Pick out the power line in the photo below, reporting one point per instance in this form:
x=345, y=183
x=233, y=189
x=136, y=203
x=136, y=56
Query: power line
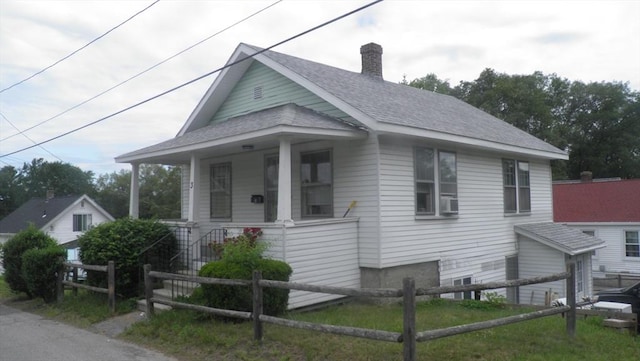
x=79, y=49
x=198, y=78
x=144, y=71
x=31, y=140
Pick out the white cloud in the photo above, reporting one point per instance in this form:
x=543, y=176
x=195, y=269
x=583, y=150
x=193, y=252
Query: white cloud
x=456, y=40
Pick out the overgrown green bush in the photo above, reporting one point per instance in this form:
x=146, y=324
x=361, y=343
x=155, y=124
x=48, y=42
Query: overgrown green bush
x=40, y=268
x=240, y=258
x=13, y=250
x=122, y=241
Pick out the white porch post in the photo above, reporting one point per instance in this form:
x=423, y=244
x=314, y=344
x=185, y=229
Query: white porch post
x=134, y=196
x=194, y=189
x=284, y=182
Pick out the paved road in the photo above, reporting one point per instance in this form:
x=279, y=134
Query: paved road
x=28, y=337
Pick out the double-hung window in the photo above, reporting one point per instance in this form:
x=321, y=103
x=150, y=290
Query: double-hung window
x=436, y=182
x=81, y=222
x=220, y=190
x=517, y=189
x=316, y=184
x=632, y=244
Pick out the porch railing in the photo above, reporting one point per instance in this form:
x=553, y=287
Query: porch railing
x=192, y=256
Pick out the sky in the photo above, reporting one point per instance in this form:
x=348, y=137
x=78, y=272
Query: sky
x=589, y=41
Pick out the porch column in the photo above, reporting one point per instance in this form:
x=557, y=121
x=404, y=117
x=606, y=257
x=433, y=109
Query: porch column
x=284, y=182
x=134, y=196
x=194, y=189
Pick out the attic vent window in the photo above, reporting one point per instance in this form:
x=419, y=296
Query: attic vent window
x=257, y=92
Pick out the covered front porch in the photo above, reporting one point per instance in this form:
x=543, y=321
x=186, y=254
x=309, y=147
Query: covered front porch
x=284, y=170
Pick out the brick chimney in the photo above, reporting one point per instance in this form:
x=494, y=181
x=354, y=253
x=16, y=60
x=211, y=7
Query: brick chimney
x=586, y=176
x=371, y=60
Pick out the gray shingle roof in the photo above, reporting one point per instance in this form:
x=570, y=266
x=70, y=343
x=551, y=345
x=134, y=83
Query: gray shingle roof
x=399, y=104
x=288, y=114
x=566, y=239
x=37, y=211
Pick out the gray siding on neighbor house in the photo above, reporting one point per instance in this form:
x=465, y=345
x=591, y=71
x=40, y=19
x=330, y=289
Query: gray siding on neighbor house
x=475, y=243
x=275, y=89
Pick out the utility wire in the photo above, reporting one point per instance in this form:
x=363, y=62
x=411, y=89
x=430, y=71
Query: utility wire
x=76, y=51
x=144, y=71
x=198, y=78
x=31, y=140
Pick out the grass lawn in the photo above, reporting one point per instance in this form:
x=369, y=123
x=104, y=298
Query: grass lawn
x=190, y=336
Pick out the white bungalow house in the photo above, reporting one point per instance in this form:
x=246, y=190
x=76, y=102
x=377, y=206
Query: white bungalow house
x=356, y=181
x=64, y=218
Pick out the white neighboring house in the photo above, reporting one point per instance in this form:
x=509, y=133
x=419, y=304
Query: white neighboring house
x=608, y=209
x=287, y=145
x=63, y=218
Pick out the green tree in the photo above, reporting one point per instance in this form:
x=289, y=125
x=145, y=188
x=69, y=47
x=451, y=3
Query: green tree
x=112, y=192
x=159, y=192
x=37, y=177
x=603, y=122
x=9, y=195
x=597, y=123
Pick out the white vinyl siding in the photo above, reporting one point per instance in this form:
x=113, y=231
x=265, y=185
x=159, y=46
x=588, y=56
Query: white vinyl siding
x=331, y=261
x=480, y=234
x=612, y=258
x=61, y=228
x=536, y=259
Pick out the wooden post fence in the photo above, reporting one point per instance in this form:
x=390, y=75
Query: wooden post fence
x=257, y=306
x=110, y=269
x=409, y=336
x=409, y=319
x=571, y=299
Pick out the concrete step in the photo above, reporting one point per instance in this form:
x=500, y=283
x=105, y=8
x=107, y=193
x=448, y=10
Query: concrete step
x=180, y=287
x=158, y=307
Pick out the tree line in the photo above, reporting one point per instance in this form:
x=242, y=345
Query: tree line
x=597, y=123
x=159, y=187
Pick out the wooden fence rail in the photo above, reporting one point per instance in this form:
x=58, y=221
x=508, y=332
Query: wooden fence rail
x=409, y=336
x=111, y=281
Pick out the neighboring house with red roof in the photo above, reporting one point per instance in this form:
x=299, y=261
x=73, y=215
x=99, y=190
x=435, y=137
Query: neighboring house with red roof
x=608, y=209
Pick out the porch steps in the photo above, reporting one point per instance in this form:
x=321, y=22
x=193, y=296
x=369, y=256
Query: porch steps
x=170, y=291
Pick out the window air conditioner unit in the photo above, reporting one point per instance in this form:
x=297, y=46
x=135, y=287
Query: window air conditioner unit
x=450, y=205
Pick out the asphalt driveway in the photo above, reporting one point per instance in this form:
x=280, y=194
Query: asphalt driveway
x=28, y=337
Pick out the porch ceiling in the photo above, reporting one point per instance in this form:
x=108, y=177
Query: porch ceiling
x=260, y=130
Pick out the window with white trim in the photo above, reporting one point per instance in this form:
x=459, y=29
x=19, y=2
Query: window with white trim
x=435, y=173
x=631, y=244
x=81, y=222
x=220, y=190
x=462, y=295
x=316, y=184
x=517, y=190
x=579, y=276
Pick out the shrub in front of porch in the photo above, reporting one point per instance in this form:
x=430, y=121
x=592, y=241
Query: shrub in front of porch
x=240, y=257
x=123, y=241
